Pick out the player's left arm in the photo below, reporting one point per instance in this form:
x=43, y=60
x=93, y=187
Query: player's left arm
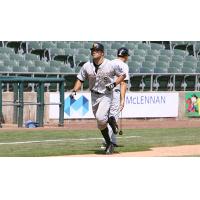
x=123, y=88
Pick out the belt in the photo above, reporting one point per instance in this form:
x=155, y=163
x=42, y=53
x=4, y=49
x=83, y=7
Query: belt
x=117, y=90
x=95, y=92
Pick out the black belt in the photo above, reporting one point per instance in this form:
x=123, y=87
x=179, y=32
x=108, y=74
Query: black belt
x=117, y=90
x=95, y=92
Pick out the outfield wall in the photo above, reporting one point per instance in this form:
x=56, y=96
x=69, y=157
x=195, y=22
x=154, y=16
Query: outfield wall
x=30, y=110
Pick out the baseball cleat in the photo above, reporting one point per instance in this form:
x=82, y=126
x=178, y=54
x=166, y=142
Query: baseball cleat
x=113, y=124
x=109, y=149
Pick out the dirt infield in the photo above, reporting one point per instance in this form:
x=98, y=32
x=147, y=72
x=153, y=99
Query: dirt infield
x=186, y=150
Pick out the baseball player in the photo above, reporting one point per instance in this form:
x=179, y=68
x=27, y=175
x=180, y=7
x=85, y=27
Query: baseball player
x=101, y=75
x=119, y=92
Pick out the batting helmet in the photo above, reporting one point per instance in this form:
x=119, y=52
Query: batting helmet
x=122, y=52
x=97, y=46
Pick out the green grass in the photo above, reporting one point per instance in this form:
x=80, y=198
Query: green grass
x=147, y=139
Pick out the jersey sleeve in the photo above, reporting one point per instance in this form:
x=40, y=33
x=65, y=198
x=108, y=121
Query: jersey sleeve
x=118, y=70
x=82, y=75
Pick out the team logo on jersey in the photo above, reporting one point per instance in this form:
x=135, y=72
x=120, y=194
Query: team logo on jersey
x=106, y=79
x=79, y=106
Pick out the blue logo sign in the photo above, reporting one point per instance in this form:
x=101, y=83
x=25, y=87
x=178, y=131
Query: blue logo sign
x=80, y=106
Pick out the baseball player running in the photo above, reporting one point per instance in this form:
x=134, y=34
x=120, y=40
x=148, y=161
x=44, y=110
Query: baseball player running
x=118, y=100
x=101, y=75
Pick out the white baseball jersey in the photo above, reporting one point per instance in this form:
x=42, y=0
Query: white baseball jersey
x=123, y=66
x=106, y=74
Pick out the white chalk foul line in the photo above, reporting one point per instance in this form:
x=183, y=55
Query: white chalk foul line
x=61, y=140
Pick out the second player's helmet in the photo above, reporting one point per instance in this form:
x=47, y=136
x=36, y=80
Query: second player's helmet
x=122, y=52
x=97, y=46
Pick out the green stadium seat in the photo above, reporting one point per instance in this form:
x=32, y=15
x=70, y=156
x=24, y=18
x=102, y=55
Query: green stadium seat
x=6, y=69
x=140, y=52
x=116, y=45
x=17, y=57
x=77, y=69
x=151, y=58
x=198, y=64
x=34, y=45
x=70, y=52
x=146, y=70
x=178, y=58
x=134, y=69
x=39, y=63
x=36, y=69
x=148, y=64
x=27, y=63
x=188, y=70
x=189, y=64
x=4, y=56
x=176, y=64
x=111, y=52
x=174, y=70
x=20, y=69
x=137, y=58
x=180, y=52
x=160, y=70
x=6, y=50
x=30, y=56
x=198, y=70
x=155, y=46
x=52, y=69
x=66, y=70
x=153, y=52
x=55, y=52
x=161, y=64
x=80, y=59
x=48, y=45
x=11, y=63
x=166, y=52
x=55, y=63
x=76, y=45
x=134, y=64
x=86, y=52
x=110, y=57
x=87, y=45
x=62, y=45
x=144, y=46
x=164, y=58
x=1, y=63
x=131, y=46
x=190, y=58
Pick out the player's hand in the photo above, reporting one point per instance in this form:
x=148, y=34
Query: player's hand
x=110, y=86
x=72, y=95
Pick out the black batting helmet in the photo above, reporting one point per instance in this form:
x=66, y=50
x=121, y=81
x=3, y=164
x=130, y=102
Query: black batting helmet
x=97, y=46
x=122, y=52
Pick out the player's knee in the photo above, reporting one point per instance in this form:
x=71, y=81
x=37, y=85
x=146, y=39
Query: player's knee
x=101, y=121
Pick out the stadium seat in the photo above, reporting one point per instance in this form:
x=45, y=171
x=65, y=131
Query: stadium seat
x=5, y=69
x=80, y=59
x=110, y=57
x=76, y=45
x=39, y=63
x=198, y=64
x=36, y=69
x=17, y=57
x=137, y=58
x=155, y=46
x=87, y=45
x=177, y=58
x=69, y=52
x=144, y=46
x=77, y=69
x=140, y=52
x=11, y=63
x=112, y=52
x=134, y=69
x=190, y=64
x=20, y=69
x=161, y=64
x=176, y=64
x=6, y=50
x=62, y=45
x=198, y=70
x=166, y=52
x=160, y=70
x=153, y=52
x=134, y=64
x=151, y=58
x=86, y=52
x=55, y=51
x=4, y=57
x=66, y=70
x=27, y=63
x=131, y=46
x=148, y=64
x=116, y=45
x=48, y=45
x=1, y=63
x=180, y=52
x=34, y=45
x=190, y=58
x=52, y=69
x=188, y=70
x=174, y=70
x=30, y=56
x=164, y=58
x=146, y=70
x=55, y=63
